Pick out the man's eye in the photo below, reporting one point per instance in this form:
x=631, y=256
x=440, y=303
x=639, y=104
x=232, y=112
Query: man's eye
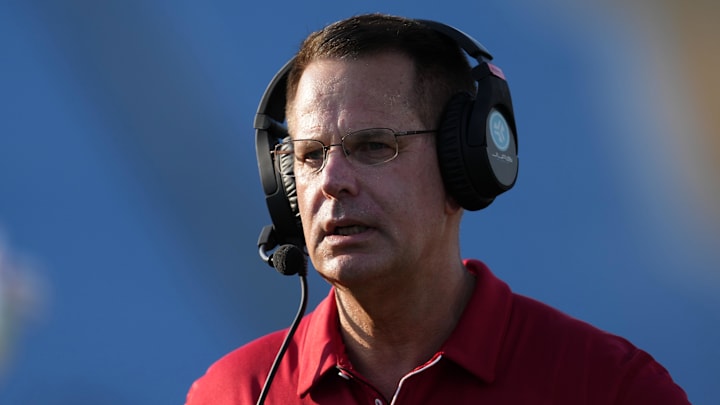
x=373, y=146
x=309, y=154
x=372, y=151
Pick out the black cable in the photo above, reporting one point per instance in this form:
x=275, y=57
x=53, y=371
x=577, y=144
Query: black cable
x=286, y=342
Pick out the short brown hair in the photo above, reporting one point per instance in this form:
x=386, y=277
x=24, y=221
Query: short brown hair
x=440, y=65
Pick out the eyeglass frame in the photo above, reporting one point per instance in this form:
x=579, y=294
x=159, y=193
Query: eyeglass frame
x=277, y=151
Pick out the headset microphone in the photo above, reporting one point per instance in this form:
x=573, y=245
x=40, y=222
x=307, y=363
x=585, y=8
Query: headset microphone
x=288, y=260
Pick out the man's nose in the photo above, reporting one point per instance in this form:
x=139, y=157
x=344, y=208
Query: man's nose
x=338, y=175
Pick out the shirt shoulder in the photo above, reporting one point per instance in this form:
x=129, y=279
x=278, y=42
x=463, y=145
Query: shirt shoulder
x=587, y=359
x=237, y=377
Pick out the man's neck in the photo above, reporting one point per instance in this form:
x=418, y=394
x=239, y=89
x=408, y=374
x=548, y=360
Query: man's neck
x=387, y=336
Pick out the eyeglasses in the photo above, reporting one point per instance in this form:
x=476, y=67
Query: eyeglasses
x=367, y=147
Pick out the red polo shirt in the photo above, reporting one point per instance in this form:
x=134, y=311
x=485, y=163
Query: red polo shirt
x=506, y=349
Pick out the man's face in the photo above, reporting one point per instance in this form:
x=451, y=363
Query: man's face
x=368, y=223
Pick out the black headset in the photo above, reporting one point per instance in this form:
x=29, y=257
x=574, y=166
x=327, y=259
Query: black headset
x=476, y=144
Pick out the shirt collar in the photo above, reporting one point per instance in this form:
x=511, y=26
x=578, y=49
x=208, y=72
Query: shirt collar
x=478, y=337
x=321, y=346
x=474, y=344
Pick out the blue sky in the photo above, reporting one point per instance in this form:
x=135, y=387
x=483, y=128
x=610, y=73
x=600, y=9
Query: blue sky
x=130, y=200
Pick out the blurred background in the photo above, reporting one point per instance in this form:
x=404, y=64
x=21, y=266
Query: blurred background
x=130, y=203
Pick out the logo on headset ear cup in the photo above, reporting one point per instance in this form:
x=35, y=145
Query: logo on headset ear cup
x=454, y=169
x=287, y=175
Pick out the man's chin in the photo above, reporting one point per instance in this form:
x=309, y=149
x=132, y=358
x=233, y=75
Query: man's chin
x=351, y=269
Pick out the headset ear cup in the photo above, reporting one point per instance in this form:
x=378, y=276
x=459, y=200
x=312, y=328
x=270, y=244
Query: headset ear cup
x=287, y=175
x=450, y=144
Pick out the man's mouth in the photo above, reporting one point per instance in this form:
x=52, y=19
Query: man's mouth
x=349, y=230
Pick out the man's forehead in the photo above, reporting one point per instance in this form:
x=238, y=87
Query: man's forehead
x=352, y=91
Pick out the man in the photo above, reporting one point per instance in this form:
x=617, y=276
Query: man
x=407, y=321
